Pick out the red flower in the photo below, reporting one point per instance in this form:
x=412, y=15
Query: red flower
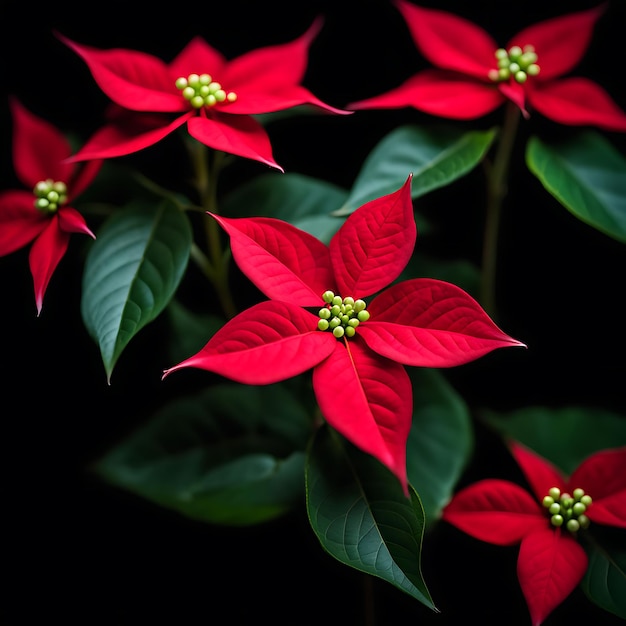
x=357, y=351
x=474, y=76
x=551, y=561
x=43, y=214
x=216, y=98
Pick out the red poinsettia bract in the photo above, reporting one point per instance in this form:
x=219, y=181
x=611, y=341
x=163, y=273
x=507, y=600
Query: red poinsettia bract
x=317, y=319
x=42, y=215
x=546, y=522
x=214, y=96
x=473, y=76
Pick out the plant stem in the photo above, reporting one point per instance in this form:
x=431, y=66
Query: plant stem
x=497, y=188
x=206, y=176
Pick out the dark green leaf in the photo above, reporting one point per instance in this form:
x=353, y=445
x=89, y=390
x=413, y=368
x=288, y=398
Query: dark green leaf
x=587, y=175
x=437, y=155
x=441, y=440
x=565, y=436
x=300, y=200
x=231, y=455
x=361, y=516
x=604, y=582
x=132, y=270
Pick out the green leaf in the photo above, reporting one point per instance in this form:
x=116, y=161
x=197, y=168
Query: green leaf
x=437, y=155
x=604, y=582
x=587, y=175
x=220, y=457
x=132, y=270
x=564, y=435
x=441, y=440
x=302, y=201
x=361, y=516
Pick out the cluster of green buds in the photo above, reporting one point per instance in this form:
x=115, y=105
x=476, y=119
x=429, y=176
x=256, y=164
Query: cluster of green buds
x=201, y=90
x=341, y=316
x=568, y=509
x=49, y=195
x=515, y=63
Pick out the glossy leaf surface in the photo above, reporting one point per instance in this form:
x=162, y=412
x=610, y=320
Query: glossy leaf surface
x=132, y=270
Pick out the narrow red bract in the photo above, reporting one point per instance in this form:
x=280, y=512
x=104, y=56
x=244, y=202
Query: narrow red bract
x=360, y=382
x=551, y=562
x=461, y=85
x=39, y=153
x=149, y=105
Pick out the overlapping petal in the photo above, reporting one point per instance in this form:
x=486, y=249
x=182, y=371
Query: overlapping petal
x=20, y=223
x=539, y=472
x=550, y=565
x=369, y=400
x=267, y=343
x=431, y=323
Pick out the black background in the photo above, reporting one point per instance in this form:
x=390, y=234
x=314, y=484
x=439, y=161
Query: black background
x=77, y=551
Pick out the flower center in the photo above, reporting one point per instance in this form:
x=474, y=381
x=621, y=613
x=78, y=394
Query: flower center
x=201, y=90
x=341, y=316
x=567, y=509
x=515, y=63
x=49, y=195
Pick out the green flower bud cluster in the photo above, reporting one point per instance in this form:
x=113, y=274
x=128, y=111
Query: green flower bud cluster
x=515, y=63
x=201, y=90
x=49, y=195
x=341, y=316
x=566, y=509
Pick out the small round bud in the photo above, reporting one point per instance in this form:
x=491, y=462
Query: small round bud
x=586, y=500
x=555, y=508
x=359, y=305
x=328, y=296
x=350, y=331
x=557, y=520
x=514, y=68
x=555, y=493
x=548, y=501
x=515, y=52
x=349, y=301
x=324, y=313
x=584, y=521
x=520, y=77
x=532, y=69
x=501, y=53
x=572, y=525
x=335, y=309
x=578, y=493
x=338, y=331
x=323, y=324
x=337, y=300
x=181, y=83
x=354, y=322
x=363, y=316
x=334, y=322
x=579, y=508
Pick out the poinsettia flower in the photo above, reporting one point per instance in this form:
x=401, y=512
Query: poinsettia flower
x=473, y=76
x=546, y=521
x=317, y=318
x=42, y=215
x=216, y=98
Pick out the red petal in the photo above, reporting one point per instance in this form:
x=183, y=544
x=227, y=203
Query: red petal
x=603, y=476
x=236, y=134
x=439, y=93
x=38, y=148
x=82, y=178
x=284, y=262
x=578, y=102
x=116, y=140
x=45, y=253
x=135, y=80
x=20, y=221
x=374, y=244
x=549, y=567
x=496, y=511
x=449, y=41
x=539, y=472
x=267, y=343
x=198, y=57
x=71, y=221
x=559, y=42
x=369, y=400
x=430, y=323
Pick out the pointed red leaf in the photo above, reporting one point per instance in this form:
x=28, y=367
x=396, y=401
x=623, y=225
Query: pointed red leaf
x=284, y=262
x=449, y=41
x=197, y=57
x=439, y=93
x=267, y=343
x=430, y=323
x=38, y=148
x=549, y=567
x=496, y=511
x=539, y=472
x=20, y=222
x=560, y=42
x=374, y=244
x=603, y=476
x=135, y=80
x=577, y=101
x=369, y=400
x=44, y=256
x=71, y=221
x=236, y=134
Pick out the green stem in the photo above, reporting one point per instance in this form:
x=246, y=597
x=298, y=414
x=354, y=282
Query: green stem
x=206, y=177
x=497, y=176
